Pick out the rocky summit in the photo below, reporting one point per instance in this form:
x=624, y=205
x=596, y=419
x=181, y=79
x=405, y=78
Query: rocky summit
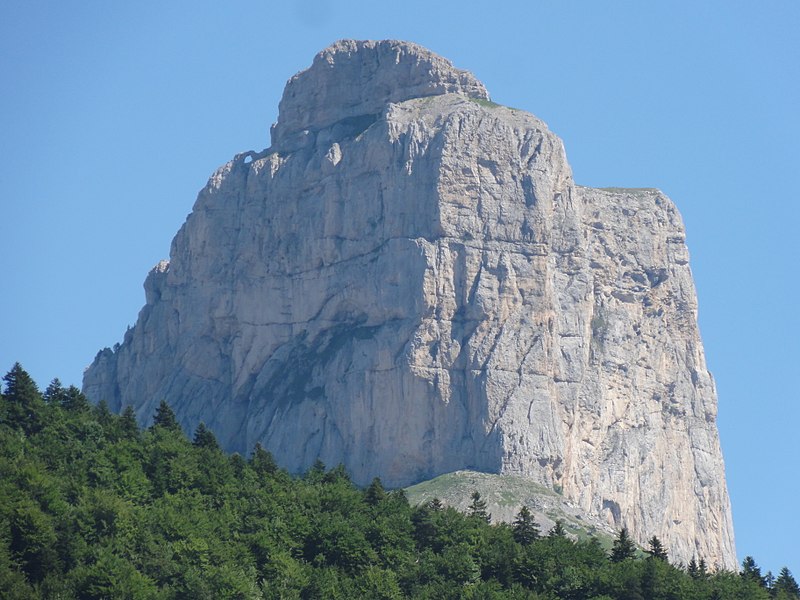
x=408, y=281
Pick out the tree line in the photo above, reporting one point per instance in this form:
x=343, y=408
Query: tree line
x=92, y=506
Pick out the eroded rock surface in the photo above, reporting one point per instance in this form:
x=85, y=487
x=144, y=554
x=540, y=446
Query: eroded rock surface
x=408, y=281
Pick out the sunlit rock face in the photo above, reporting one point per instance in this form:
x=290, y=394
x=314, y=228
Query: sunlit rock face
x=409, y=282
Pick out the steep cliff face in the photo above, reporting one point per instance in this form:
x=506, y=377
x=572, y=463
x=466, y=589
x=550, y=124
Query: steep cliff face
x=408, y=281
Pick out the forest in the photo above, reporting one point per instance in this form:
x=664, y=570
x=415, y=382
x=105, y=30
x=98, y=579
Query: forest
x=93, y=506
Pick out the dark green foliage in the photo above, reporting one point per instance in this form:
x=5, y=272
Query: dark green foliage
x=262, y=461
x=70, y=399
x=102, y=413
x=165, y=417
x=22, y=404
x=435, y=504
x=623, y=547
x=751, y=572
x=478, y=507
x=375, y=494
x=557, y=530
x=316, y=472
x=702, y=570
x=692, y=569
x=526, y=531
x=656, y=549
x=128, y=427
x=93, y=507
x=54, y=393
x=204, y=438
x=786, y=586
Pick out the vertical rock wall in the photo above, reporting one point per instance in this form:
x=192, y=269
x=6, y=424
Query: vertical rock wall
x=409, y=282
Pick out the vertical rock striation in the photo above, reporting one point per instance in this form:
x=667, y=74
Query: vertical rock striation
x=408, y=281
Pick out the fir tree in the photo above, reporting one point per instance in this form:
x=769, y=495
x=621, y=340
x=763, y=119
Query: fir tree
x=128, y=426
x=54, y=392
x=702, y=569
x=238, y=464
x=769, y=580
x=102, y=413
x=525, y=529
x=435, y=505
x=23, y=403
x=73, y=400
x=558, y=530
x=656, y=549
x=338, y=473
x=375, y=493
x=204, y=438
x=692, y=569
x=165, y=417
x=316, y=472
x=478, y=507
x=787, y=584
x=623, y=547
x=262, y=461
x=751, y=571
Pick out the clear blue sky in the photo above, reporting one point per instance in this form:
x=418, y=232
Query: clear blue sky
x=114, y=114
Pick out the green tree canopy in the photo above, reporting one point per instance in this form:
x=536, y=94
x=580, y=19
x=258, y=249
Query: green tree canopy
x=786, y=584
x=752, y=572
x=23, y=405
x=656, y=549
x=525, y=529
x=92, y=507
x=204, y=438
x=477, y=507
x=375, y=494
x=623, y=547
x=557, y=531
x=262, y=461
x=165, y=417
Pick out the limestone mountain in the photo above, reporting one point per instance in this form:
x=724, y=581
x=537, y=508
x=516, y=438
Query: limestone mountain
x=408, y=281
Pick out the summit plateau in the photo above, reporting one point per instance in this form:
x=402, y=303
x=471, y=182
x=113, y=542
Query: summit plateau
x=409, y=282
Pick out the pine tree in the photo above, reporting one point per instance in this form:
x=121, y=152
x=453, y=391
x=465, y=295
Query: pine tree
x=23, y=404
x=74, y=400
x=54, y=392
x=435, y=505
x=102, y=413
x=525, y=529
x=316, y=472
x=238, y=464
x=787, y=584
x=692, y=569
x=557, y=530
x=623, y=547
x=204, y=438
x=702, y=569
x=375, y=493
x=656, y=549
x=399, y=497
x=338, y=473
x=165, y=418
x=478, y=507
x=769, y=580
x=262, y=461
x=751, y=571
x=128, y=425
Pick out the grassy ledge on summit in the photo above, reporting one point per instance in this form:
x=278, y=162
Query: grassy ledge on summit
x=505, y=495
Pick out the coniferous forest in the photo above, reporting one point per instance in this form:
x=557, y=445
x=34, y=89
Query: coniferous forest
x=91, y=506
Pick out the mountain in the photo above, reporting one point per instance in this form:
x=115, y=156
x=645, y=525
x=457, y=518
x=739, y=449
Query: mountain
x=409, y=281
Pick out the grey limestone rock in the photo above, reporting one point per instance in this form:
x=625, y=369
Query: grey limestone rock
x=408, y=281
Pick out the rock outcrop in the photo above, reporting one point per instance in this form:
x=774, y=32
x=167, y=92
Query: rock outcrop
x=408, y=281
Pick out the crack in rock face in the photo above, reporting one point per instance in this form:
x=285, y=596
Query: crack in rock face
x=408, y=281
